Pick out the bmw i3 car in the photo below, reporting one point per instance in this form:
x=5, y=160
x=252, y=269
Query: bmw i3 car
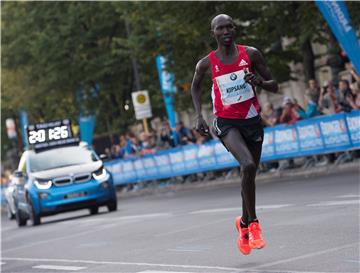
x=60, y=179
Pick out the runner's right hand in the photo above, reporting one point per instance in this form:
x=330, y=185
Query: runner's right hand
x=201, y=127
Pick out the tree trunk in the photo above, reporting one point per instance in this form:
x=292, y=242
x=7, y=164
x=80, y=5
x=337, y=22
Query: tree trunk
x=308, y=60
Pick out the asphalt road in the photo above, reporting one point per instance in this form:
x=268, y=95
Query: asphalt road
x=310, y=225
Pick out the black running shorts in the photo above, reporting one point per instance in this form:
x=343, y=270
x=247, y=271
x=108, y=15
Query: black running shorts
x=252, y=129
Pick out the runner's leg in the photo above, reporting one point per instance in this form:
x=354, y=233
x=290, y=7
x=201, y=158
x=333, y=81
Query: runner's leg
x=236, y=144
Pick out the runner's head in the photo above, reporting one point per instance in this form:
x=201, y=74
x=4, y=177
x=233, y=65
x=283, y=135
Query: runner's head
x=223, y=29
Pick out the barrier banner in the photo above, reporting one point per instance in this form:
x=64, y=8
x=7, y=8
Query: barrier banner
x=177, y=161
x=310, y=139
x=163, y=164
x=286, y=141
x=206, y=158
x=190, y=157
x=224, y=159
x=334, y=132
x=268, y=148
x=319, y=135
x=151, y=171
x=353, y=124
x=129, y=172
x=115, y=168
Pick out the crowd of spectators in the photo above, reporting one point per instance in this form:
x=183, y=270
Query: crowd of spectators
x=321, y=99
x=130, y=145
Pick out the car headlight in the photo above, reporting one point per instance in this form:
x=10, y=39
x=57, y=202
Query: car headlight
x=43, y=184
x=101, y=175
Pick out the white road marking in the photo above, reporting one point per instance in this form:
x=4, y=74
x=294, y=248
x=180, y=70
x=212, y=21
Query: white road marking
x=200, y=267
x=309, y=255
x=278, y=206
x=2, y=263
x=58, y=267
x=151, y=271
x=335, y=203
x=349, y=196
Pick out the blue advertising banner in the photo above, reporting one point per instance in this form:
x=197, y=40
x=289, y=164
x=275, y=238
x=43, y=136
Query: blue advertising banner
x=353, y=124
x=139, y=169
x=286, y=140
x=337, y=16
x=163, y=164
x=168, y=90
x=177, y=161
x=23, y=124
x=87, y=127
x=151, y=172
x=310, y=139
x=190, y=157
x=224, y=159
x=319, y=135
x=128, y=172
x=334, y=132
x=268, y=149
x=206, y=156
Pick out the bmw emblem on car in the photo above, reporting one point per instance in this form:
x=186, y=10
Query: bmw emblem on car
x=233, y=77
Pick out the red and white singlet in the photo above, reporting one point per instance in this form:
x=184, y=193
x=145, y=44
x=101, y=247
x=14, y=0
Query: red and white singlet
x=232, y=97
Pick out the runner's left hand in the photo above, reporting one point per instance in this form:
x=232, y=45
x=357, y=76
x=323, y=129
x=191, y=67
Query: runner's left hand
x=251, y=78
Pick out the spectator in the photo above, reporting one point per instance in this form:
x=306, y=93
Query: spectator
x=108, y=154
x=346, y=97
x=166, y=136
x=311, y=108
x=313, y=92
x=184, y=134
x=269, y=115
x=357, y=98
x=147, y=146
x=289, y=113
x=353, y=72
x=328, y=101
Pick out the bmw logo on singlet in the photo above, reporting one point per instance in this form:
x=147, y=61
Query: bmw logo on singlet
x=233, y=77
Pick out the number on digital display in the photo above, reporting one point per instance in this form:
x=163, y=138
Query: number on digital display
x=64, y=132
x=32, y=137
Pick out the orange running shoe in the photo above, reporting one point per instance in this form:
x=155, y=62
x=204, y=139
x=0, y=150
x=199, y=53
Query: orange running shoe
x=243, y=239
x=255, y=237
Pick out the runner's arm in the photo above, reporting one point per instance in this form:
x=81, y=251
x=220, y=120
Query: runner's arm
x=201, y=67
x=200, y=70
x=260, y=66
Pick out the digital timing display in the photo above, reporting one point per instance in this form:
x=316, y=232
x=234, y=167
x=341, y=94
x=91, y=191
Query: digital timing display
x=50, y=134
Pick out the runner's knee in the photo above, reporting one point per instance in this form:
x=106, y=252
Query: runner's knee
x=249, y=168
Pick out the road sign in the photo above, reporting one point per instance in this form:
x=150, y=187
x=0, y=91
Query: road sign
x=141, y=102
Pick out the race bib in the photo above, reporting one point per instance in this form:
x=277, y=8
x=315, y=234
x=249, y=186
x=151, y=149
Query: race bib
x=233, y=88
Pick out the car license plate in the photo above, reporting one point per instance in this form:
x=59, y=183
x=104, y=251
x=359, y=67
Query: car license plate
x=75, y=194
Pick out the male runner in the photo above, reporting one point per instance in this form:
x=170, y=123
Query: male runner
x=237, y=110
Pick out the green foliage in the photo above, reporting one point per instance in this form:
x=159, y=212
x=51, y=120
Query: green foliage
x=51, y=50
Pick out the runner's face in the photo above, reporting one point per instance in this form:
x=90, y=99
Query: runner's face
x=224, y=31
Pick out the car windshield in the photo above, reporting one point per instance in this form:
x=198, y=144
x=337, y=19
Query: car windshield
x=61, y=157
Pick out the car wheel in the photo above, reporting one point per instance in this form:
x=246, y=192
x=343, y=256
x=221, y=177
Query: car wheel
x=94, y=210
x=34, y=218
x=112, y=205
x=21, y=218
x=9, y=213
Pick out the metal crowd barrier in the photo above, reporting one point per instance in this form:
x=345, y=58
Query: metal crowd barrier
x=318, y=135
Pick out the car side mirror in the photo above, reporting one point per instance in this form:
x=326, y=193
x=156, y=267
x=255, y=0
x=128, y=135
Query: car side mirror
x=18, y=174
